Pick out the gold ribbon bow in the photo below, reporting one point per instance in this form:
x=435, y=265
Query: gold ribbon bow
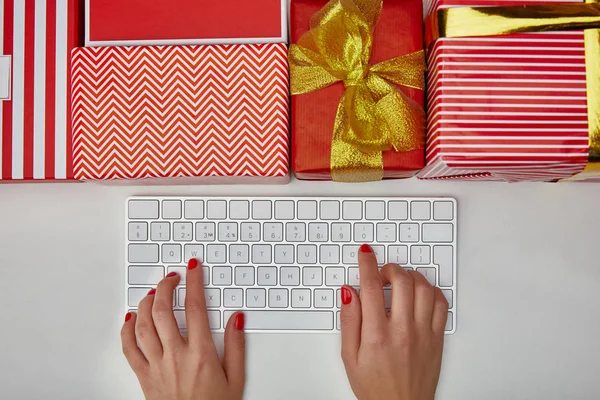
x=373, y=115
x=489, y=21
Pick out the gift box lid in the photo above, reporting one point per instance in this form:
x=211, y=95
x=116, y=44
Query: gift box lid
x=180, y=22
x=180, y=111
x=35, y=130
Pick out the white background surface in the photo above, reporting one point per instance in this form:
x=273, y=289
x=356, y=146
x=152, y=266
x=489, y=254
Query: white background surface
x=528, y=278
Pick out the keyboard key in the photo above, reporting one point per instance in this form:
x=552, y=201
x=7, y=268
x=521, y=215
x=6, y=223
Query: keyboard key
x=398, y=254
x=143, y=253
x=329, y=254
x=267, y=276
x=353, y=276
x=352, y=210
x=449, y=296
x=284, y=209
x=318, y=232
x=160, y=231
x=239, y=254
x=375, y=210
x=278, y=298
x=171, y=253
x=181, y=271
x=171, y=209
x=330, y=210
x=398, y=210
x=387, y=298
x=228, y=232
x=216, y=253
x=244, y=276
x=307, y=254
x=287, y=320
x=221, y=276
x=428, y=273
x=145, y=275
x=233, y=298
x=419, y=255
x=420, y=210
x=261, y=254
x=138, y=231
x=214, y=319
x=339, y=321
x=205, y=231
x=379, y=252
x=250, y=232
x=135, y=295
x=142, y=209
x=182, y=231
x=363, y=232
x=443, y=258
x=307, y=210
x=212, y=297
x=443, y=210
x=349, y=254
x=217, y=209
x=181, y=297
x=193, y=251
x=194, y=209
x=340, y=232
x=261, y=209
x=438, y=233
x=449, y=322
x=289, y=276
x=273, y=232
x=409, y=233
x=312, y=276
x=284, y=254
x=256, y=298
x=295, y=231
x=239, y=209
x=324, y=298
x=386, y=232
x=300, y=298
x=334, y=276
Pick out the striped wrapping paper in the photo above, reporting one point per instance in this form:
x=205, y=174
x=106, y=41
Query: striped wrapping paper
x=217, y=112
x=36, y=38
x=510, y=108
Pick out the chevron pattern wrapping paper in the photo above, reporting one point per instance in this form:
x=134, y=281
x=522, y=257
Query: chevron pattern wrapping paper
x=180, y=111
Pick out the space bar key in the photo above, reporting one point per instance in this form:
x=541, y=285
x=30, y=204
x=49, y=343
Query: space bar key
x=286, y=320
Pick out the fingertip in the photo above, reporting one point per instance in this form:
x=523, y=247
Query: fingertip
x=128, y=316
x=240, y=321
x=192, y=263
x=346, y=295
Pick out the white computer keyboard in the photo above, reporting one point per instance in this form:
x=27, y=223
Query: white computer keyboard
x=283, y=260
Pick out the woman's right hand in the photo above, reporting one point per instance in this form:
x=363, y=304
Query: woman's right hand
x=395, y=355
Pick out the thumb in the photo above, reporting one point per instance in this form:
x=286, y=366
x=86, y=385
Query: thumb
x=234, y=358
x=351, y=323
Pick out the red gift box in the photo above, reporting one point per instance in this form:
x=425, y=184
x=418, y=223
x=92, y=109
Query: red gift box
x=398, y=32
x=181, y=111
x=179, y=22
x=36, y=39
x=510, y=107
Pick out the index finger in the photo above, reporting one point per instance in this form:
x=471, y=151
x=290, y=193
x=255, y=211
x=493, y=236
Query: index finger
x=371, y=288
x=195, y=305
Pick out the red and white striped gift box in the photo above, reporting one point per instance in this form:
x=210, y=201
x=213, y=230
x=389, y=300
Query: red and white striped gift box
x=511, y=107
x=36, y=39
x=181, y=111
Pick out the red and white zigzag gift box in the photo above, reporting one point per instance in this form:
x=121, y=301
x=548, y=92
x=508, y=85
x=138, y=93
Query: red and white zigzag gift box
x=510, y=107
x=181, y=111
x=36, y=38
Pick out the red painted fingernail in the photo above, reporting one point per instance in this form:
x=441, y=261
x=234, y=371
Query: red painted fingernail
x=151, y=292
x=193, y=263
x=171, y=274
x=365, y=248
x=346, y=295
x=128, y=316
x=239, y=321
